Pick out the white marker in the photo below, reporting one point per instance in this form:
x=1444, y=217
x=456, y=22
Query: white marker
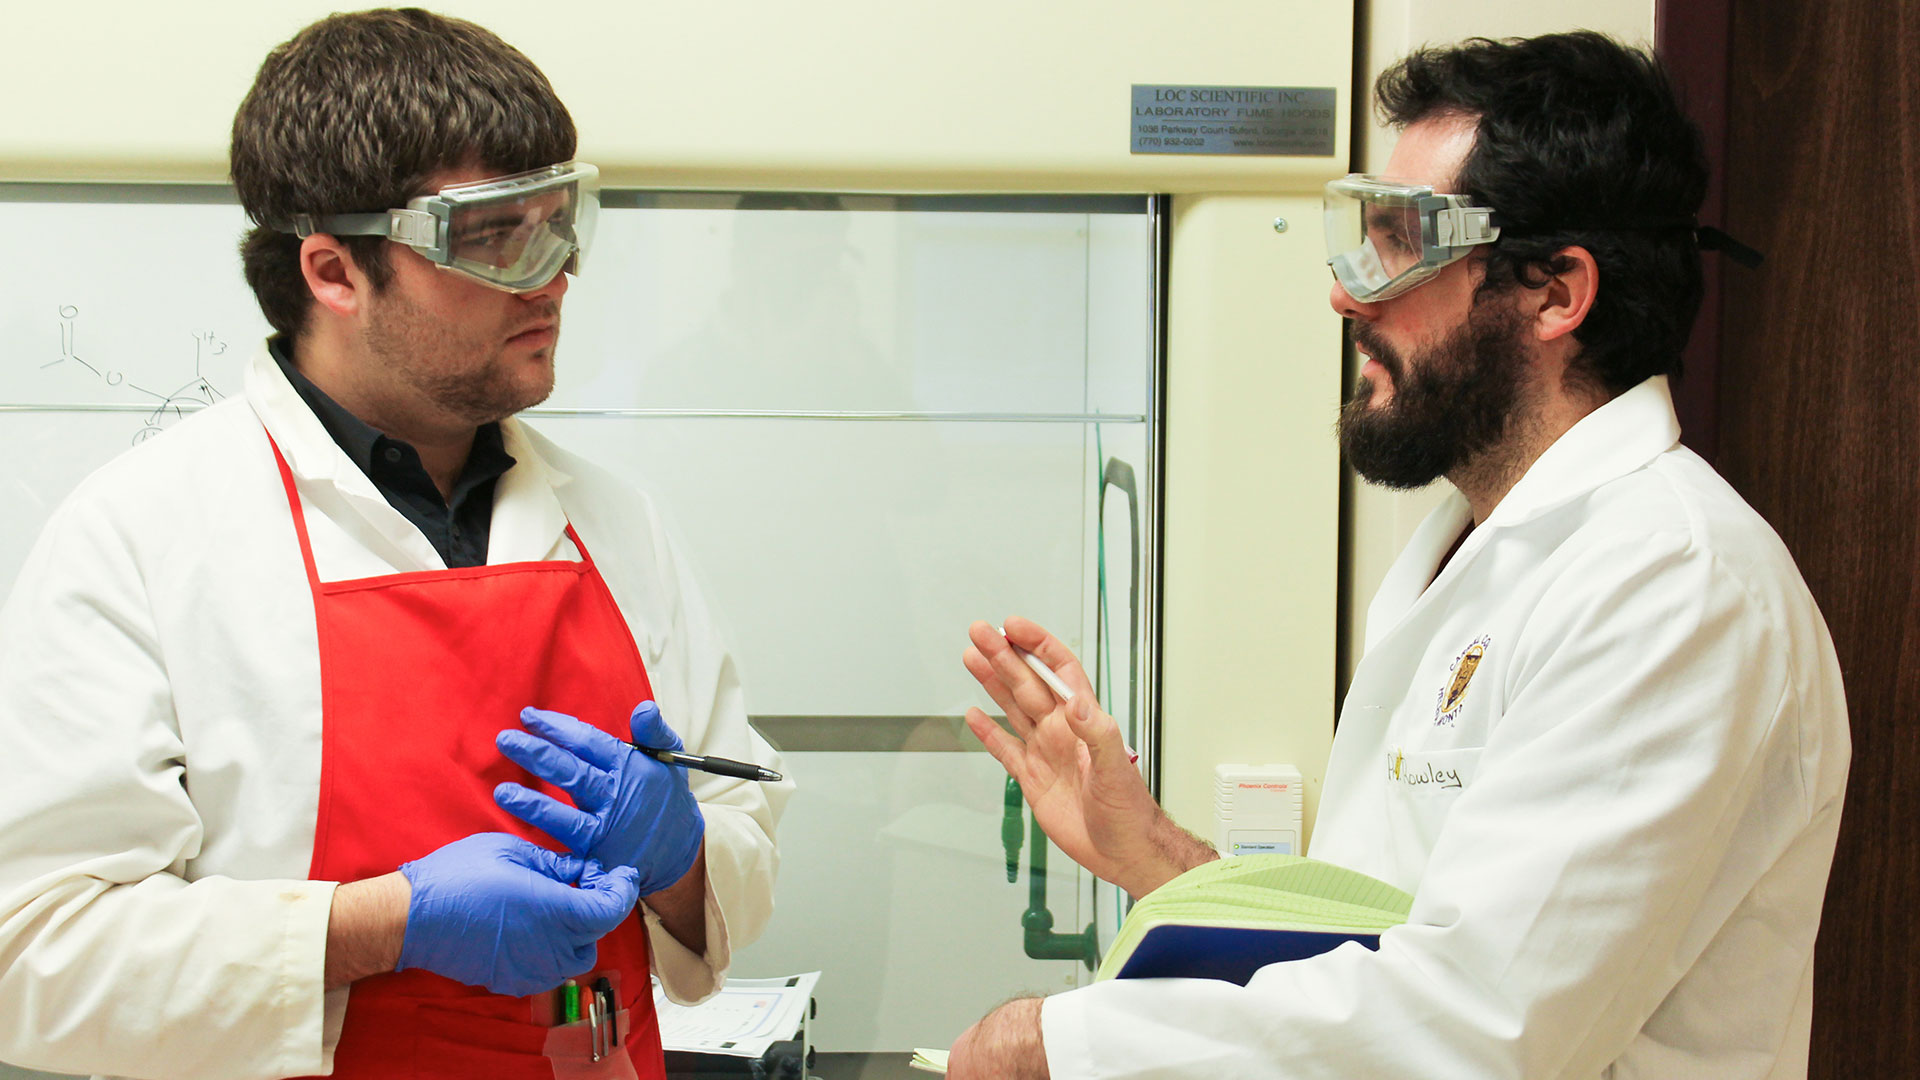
x=1040, y=668
x=1054, y=682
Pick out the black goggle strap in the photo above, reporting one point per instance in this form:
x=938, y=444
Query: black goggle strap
x=1712, y=239
x=1706, y=236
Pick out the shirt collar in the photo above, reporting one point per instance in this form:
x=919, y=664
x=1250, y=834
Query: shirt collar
x=528, y=519
x=310, y=449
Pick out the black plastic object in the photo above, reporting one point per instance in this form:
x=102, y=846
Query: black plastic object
x=782, y=1061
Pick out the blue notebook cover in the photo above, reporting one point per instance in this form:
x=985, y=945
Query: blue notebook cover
x=1229, y=953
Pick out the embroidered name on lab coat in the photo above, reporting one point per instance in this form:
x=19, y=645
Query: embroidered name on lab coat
x=1418, y=774
x=1453, y=695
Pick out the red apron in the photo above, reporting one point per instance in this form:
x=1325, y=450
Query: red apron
x=418, y=673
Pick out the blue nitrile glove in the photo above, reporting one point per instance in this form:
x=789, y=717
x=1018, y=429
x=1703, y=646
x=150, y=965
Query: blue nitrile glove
x=493, y=910
x=632, y=810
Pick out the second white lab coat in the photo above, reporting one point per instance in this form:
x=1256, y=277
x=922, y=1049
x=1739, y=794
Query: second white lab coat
x=160, y=705
x=1605, y=750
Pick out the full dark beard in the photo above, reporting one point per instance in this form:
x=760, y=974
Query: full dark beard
x=1454, y=401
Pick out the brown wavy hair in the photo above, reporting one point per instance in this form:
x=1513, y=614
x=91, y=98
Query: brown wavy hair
x=356, y=112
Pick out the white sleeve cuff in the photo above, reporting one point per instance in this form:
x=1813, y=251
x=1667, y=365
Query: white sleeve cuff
x=689, y=977
x=1063, y=1034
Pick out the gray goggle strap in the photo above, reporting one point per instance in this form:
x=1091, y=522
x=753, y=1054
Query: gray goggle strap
x=422, y=230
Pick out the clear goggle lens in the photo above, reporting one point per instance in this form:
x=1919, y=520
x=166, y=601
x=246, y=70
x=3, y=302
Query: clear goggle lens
x=517, y=232
x=1385, y=236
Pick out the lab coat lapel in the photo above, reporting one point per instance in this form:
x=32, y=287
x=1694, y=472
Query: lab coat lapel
x=326, y=475
x=1608, y=443
x=1407, y=580
x=528, y=521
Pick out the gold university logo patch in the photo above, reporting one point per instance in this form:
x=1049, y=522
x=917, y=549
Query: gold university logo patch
x=1453, y=695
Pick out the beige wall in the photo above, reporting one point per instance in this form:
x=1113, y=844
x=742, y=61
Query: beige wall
x=992, y=95
x=1252, y=497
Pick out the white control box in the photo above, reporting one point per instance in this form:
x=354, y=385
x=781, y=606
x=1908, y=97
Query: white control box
x=1256, y=809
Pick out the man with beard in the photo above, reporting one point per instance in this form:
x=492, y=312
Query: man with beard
x=1598, y=731
x=320, y=710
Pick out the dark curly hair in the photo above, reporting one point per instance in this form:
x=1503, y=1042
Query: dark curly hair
x=1580, y=141
x=356, y=112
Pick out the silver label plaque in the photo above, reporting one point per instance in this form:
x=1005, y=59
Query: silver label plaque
x=1276, y=120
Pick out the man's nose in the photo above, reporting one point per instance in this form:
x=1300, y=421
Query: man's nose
x=553, y=290
x=1346, y=305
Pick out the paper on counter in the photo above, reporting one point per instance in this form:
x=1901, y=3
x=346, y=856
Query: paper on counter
x=933, y=1061
x=745, y=1018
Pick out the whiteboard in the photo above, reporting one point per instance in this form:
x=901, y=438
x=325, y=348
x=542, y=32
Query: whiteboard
x=845, y=556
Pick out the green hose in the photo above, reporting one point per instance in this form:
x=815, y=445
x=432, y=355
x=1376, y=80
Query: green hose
x=1040, y=940
x=1011, y=828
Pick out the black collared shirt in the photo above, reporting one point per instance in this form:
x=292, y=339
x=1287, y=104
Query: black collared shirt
x=458, y=531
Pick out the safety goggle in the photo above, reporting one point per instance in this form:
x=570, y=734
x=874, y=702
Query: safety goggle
x=510, y=232
x=1386, y=236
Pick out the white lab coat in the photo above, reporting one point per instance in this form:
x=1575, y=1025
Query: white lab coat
x=1617, y=829
x=160, y=705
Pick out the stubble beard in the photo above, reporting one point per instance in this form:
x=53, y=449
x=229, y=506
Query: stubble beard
x=437, y=363
x=1453, y=404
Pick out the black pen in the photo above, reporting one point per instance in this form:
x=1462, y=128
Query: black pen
x=719, y=766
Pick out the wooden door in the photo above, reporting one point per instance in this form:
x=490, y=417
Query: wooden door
x=1816, y=402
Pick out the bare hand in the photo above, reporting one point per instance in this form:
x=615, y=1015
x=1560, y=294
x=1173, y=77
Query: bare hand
x=1070, y=761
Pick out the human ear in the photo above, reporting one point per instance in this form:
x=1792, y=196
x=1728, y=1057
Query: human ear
x=336, y=281
x=1566, y=298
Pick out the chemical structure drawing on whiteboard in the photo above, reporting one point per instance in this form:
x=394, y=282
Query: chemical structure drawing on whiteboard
x=194, y=394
